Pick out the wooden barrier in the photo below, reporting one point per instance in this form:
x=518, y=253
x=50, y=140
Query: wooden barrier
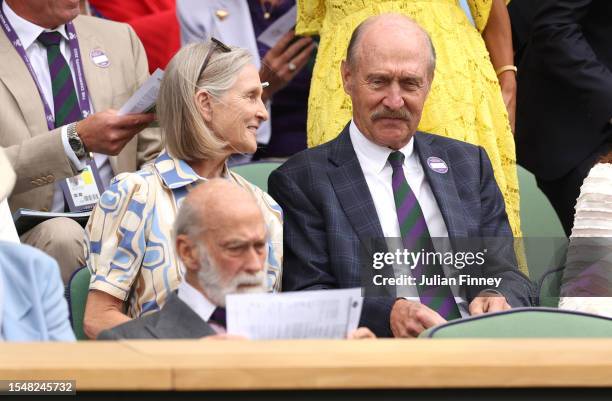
x=205, y=365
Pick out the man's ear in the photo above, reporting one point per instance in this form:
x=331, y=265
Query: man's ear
x=203, y=101
x=430, y=81
x=347, y=77
x=188, y=253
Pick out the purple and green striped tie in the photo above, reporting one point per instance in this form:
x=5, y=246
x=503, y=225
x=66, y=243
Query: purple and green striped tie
x=415, y=237
x=65, y=103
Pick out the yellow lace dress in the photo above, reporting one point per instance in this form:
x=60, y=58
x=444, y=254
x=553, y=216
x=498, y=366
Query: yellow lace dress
x=465, y=101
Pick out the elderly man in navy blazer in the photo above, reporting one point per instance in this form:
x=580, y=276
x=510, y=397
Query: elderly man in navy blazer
x=381, y=178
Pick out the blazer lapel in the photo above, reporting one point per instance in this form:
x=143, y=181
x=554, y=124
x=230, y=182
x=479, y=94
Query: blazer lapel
x=353, y=192
x=97, y=78
x=17, y=79
x=442, y=185
x=177, y=320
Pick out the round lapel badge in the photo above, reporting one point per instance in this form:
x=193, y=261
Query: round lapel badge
x=438, y=165
x=99, y=58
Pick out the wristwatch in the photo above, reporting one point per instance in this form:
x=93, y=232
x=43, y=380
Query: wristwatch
x=74, y=140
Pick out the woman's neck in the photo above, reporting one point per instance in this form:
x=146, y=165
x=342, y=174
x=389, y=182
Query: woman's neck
x=211, y=168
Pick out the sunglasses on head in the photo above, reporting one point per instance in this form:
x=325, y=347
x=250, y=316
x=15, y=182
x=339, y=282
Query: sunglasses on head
x=217, y=44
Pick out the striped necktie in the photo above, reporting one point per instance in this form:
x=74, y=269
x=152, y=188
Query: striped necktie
x=65, y=102
x=415, y=237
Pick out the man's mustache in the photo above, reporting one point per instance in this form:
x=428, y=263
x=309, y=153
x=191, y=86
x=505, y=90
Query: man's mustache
x=400, y=114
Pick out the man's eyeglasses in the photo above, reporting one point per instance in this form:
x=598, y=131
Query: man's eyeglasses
x=217, y=44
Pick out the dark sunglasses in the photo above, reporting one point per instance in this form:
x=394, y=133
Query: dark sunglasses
x=217, y=44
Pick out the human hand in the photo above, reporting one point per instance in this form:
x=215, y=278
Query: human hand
x=360, y=334
x=107, y=133
x=409, y=318
x=488, y=302
x=283, y=61
x=507, y=81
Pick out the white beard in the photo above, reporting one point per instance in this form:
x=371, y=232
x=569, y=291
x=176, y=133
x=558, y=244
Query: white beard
x=213, y=285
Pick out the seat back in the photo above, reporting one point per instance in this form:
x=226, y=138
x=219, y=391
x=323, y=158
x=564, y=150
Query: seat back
x=78, y=288
x=538, y=217
x=549, y=287
x=544, y=239
x=525, y=323
x=256, y=173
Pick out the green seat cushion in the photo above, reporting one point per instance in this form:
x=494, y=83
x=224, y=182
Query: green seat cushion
x=525, y=323
x=78, y=290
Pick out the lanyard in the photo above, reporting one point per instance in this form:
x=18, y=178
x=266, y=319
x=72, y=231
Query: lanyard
x=75, y=59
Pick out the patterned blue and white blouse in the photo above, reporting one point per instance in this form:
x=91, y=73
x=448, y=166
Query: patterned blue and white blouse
x=129, y=247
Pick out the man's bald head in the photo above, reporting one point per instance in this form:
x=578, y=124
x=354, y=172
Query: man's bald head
x=213, y=205
x=386, y=27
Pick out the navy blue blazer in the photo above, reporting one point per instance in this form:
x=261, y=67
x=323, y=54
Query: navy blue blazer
x=330, y=218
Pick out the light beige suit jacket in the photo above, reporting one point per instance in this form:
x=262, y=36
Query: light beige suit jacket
x=37, y=154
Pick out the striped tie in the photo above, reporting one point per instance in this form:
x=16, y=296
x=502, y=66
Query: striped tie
x=65, y=101
x=415, y=237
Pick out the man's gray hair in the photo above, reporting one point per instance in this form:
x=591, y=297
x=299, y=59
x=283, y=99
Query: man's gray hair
x=186, y=135
x=190, y=221
x=353, y=46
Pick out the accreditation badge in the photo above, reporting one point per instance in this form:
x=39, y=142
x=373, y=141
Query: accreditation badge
x=82, y=191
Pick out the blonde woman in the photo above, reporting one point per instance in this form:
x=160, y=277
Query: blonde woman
x=209, y=108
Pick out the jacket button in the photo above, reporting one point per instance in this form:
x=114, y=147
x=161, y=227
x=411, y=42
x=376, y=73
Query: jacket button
x=50, y=178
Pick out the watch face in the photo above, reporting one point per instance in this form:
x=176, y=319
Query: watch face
x=75, y=144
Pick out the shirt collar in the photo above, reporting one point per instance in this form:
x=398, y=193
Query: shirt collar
x=25, y=30
x=176, y=173
x=196, y=301
x=373, y=157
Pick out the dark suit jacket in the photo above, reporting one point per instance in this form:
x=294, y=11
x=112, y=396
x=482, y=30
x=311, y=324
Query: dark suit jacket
x=521, y=16
x=174, y=320
x=330, y=217
x=564, y=100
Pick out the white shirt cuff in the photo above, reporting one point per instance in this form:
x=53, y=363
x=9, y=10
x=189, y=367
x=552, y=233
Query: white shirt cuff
x=74, y=160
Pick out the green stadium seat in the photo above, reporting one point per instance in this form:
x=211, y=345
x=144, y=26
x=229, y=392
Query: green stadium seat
x=544, y=239
x=256, y=173
x=538, y=217
x=525, y=323
x=76, y=295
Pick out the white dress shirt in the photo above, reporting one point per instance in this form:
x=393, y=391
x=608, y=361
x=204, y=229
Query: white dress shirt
x=199, y=304
x=374, y=163
x=37, y=53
